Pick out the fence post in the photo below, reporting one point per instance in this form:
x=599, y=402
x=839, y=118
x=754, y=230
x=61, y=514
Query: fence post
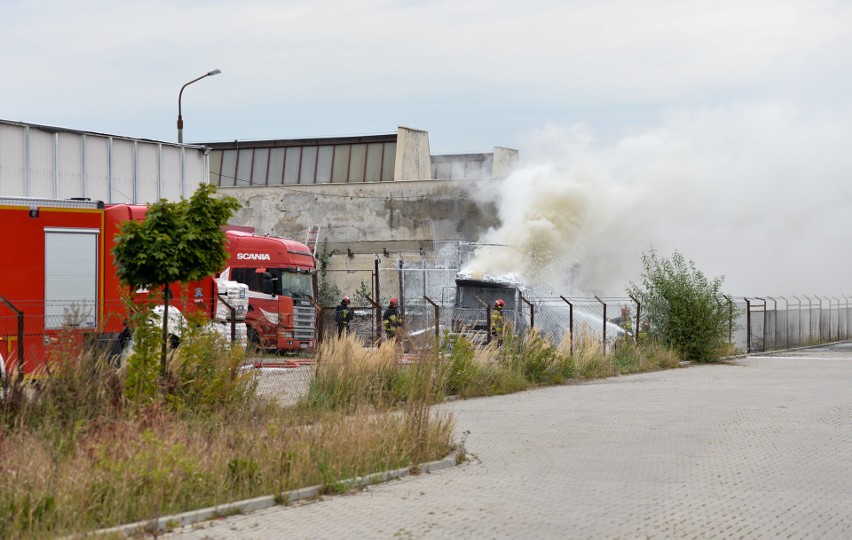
x=487, y=319
x=377, y=306
x=532, y=311
x=748, y=325
x=20, y=316
x=401, y=290
x=831, y=317
x=764, y=320
x=786, y=322
x=437, y=316
x=233, y=312
x=379, y=318
x=603, y=326
x=570, y=325
x=799, y=308
x=810, y=318
x=775, y=330
x=638, y=311
x=838, y=317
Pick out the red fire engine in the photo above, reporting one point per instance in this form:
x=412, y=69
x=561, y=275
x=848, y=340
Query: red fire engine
x=57, y=273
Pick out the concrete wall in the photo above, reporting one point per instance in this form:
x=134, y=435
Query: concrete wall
x=362, y=218
x=408, y=219
x=505, y=161
x=413, y=158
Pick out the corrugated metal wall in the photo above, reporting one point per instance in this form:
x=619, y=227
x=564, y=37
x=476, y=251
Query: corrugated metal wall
x=55, y=163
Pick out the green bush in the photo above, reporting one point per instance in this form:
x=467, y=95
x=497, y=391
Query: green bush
x=457, y=370
x=143, y=363
x=683, y=308
x=204, y=373
x=536, y=358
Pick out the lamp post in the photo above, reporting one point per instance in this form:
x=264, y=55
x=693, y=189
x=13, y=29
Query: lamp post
x=180, y=118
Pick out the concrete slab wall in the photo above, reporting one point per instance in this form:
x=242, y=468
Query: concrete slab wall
x=362, y=218
x=413, y=158
x=505, y=161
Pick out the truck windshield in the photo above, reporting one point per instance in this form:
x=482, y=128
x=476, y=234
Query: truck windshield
x=277, y=281
x=293, y=284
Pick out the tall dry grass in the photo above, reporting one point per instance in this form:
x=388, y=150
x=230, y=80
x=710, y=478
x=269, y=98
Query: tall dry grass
x=350, y=376
x=80, y=453
x=156, y=463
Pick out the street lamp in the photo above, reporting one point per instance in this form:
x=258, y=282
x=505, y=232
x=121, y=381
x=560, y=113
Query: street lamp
x=180, y=118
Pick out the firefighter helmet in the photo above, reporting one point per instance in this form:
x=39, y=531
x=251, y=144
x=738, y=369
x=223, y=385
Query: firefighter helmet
x=499, y=304
x=394, y=302
x=346, y=300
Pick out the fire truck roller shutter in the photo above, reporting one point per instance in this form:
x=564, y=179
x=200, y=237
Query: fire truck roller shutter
x=70, y=277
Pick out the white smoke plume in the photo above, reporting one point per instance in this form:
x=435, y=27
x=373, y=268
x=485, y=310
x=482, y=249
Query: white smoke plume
x=758, y=193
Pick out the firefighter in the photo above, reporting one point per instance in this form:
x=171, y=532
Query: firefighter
x=497, y=321
x=343, y=316
x=626, y=322
x=392, y=319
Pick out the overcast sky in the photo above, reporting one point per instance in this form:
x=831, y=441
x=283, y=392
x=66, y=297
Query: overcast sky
x=723, y=127
x=475, y=74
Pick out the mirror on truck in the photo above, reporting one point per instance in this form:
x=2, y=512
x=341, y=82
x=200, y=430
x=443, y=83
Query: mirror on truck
x=268, y=282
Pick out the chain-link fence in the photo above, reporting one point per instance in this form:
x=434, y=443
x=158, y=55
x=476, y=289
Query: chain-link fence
x=427, y=301
x=37, y=332
x=356, y=284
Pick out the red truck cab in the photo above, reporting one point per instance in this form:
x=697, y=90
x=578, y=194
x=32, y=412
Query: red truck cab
x=281, y=277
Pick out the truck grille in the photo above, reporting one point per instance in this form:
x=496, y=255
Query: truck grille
x=304, y=323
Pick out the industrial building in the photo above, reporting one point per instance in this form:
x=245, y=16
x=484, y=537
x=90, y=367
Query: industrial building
x=58, y=163
x=382, y=193
x=397, y=156
x=368, y=197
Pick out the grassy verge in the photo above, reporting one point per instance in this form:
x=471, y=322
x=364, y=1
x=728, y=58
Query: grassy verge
x=91, y=446
x=349, y=377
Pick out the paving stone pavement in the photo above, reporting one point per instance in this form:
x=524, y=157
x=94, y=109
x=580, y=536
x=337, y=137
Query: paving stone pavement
x=758, y=448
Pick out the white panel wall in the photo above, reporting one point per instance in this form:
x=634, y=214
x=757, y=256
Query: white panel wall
x=70, y=158
x=123, y=171
x=41, y=161
x=172, y=173
x=97, y=168
x=148, y=170
x=195, y=172
x=57, y=163
x=12, y=156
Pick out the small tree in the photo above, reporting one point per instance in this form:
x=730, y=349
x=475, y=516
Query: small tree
x=328, y=293
x=683, y=308
x=176, y=242
x=362, y=293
